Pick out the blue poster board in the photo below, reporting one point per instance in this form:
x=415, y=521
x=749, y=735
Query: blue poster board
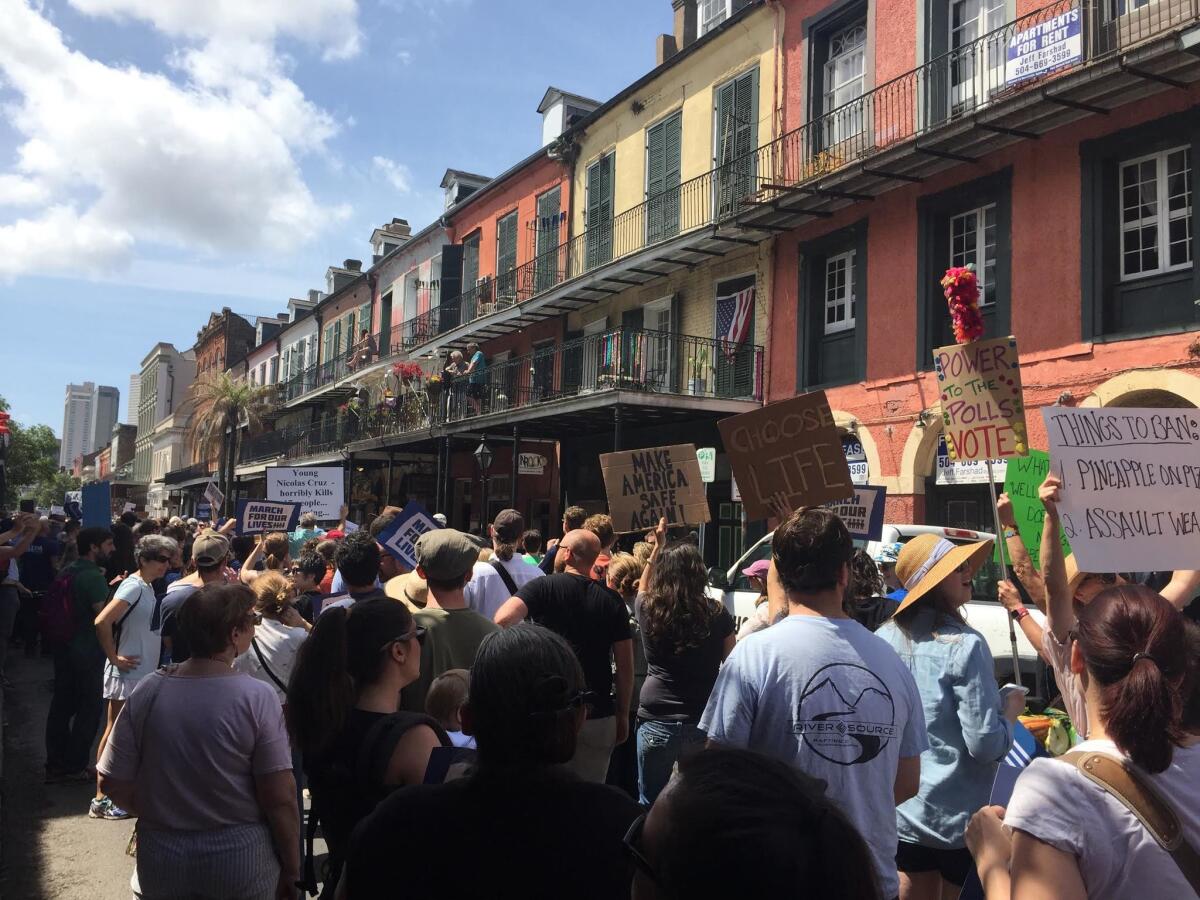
x=400, y=538
x=259, y=516
x=1046, y=47
x=862, y=512
x=97, y=504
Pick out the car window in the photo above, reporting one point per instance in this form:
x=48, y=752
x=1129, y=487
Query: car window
x=741, y=582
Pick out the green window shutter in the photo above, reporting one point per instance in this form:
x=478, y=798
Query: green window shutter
x=337, y=338
x=506, y=256
x=737, y=138
x=549, y=207
x=328, y=350
x=655, y=159
x=663, y=150
x=600, y=211
x=351, y=333
x=470, y=263
x=364, y=316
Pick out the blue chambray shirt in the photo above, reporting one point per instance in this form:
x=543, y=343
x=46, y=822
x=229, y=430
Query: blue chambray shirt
x=968, y=735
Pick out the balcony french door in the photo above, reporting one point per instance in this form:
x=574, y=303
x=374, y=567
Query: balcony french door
x=976, y=66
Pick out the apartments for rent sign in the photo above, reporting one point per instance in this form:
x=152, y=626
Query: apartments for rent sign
x=1043, y=48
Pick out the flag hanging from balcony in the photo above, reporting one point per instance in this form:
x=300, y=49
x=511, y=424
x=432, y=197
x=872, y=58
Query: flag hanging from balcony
x=734, y=314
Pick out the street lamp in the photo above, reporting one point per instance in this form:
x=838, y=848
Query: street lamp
x=483, y=456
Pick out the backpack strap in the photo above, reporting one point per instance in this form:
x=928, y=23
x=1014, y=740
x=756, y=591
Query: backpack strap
x=262, y=661
x=1124, y=782
x=504, y=576
x=380, y=742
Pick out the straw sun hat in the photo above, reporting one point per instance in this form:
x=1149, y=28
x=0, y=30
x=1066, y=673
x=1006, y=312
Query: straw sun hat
x=927, y=560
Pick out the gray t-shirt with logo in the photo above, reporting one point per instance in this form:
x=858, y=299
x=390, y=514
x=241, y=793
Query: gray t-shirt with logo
x=834, y=700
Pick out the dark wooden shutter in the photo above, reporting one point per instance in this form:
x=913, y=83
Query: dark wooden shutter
x=549, y=208
x=453, y=256
x=663, y=151
x=506, y=255
x=737, y=137
x=600, y=211
x=470, y=263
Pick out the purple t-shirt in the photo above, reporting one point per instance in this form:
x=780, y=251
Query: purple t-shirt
x=203, y=743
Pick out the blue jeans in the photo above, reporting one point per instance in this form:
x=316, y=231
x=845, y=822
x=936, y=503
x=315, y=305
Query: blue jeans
x=659, y=746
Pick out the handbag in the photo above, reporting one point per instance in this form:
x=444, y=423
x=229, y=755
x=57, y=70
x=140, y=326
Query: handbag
x=1126, y=784
x=262, y=661
x=139, y=734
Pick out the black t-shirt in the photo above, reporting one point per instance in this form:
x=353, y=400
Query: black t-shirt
x=871, y=612
x=591, y=618
x=677, y=684
x=307, y=603
x=568, y=840
x=547, y=563
x=37, y=564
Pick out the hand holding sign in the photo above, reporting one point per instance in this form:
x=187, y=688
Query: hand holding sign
x=261, y=516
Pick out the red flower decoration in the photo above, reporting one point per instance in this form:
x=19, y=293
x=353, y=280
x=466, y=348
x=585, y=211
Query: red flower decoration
x=962, y=294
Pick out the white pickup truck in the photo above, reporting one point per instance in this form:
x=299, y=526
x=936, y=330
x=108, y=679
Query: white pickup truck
x=983, y=613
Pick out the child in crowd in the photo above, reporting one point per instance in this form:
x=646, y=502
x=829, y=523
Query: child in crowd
x=444, y=702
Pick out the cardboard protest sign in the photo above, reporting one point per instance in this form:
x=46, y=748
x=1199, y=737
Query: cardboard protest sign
x=258, y=516
x=318, y=489
x=657, y=482
x=787, y=455
x=97, y=504
x=1131, y=486
x=214, y=496
x=862, y=512
x=982, y=406
x=1021, y=483
x=400, y=538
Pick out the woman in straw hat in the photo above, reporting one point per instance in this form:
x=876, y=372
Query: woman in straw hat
x=969, y=729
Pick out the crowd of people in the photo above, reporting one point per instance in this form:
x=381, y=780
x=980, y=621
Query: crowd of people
x=593, y=698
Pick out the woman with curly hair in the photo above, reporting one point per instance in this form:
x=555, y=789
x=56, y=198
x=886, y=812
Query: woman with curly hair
x=865, y=600
x=686, y=635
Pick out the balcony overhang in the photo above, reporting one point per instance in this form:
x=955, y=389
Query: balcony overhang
x=684, y=251
x=1026, y=113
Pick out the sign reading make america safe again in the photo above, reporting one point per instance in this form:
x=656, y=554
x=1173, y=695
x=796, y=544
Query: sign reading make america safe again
x=644, y=486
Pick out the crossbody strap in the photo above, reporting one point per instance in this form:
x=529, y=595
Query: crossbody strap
x=505, y=577
x=1130, y=787
x=263, y=662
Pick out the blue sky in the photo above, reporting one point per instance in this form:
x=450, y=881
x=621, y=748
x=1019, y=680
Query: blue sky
x=161, y=159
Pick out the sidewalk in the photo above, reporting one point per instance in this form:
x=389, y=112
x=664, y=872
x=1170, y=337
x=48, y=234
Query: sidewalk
x=49, y=848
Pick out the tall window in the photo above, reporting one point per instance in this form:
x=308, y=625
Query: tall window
x=470, y=262
x=973, y=243
x=839, y=292
x=600, y=175
x=506, y=255
x=736, y=132
x=663, y=150
x=546, y=230
x=845, y=81
x=976, y=66
x=1156, y=213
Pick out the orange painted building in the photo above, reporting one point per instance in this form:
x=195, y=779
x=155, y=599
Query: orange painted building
x=1069, y=191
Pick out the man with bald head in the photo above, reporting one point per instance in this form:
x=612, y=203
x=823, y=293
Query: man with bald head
x=595, y=622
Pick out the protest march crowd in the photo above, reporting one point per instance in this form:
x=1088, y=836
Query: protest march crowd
x=590, y=698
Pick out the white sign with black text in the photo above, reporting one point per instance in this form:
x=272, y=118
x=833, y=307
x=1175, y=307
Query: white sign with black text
x=317, y=489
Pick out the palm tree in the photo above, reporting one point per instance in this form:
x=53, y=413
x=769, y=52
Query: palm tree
x=221, y=405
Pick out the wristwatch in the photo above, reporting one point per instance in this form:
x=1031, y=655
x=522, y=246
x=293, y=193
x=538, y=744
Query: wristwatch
x=1010, y=533
x=1019, y=613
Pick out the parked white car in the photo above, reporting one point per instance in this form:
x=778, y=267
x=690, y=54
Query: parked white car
x=983, y=613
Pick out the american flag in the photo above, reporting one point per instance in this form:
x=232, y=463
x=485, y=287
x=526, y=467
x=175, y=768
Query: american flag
x=734, y=313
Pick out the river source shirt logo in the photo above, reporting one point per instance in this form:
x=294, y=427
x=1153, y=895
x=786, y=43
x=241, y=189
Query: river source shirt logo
x=846, y=714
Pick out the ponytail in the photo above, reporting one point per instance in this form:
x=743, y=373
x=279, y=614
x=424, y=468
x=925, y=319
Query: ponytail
x=321, y=692
x=275, y=545
x=1134, y=645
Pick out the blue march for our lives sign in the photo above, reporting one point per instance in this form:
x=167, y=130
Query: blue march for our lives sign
x=259, y=516
x=400, y=538
x=862, y=512
x=1044, y=48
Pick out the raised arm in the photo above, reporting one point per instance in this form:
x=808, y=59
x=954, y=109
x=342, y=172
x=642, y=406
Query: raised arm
x=247, y=573
x=1018, y=554
x=1182, y=588
x=660, y=539
x=1060, y=615
x=1010, y=599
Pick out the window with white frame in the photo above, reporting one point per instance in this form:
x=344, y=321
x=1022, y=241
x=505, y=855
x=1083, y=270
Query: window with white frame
x=712, y=14
x=845, y=80
x=973, y=243
x=839, y=292
x=1156, y=213
x=976, y=65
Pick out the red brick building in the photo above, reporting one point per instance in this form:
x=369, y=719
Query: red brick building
x=225, y=340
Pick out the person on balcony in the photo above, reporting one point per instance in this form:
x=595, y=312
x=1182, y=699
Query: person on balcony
x=455, y=368
x=362, y=351
x=476, y=372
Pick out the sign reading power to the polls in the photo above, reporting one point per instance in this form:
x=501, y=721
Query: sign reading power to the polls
x=1130, y=499
x=259, y=516
x=317, y=489
x=644, y=486
x=787, y=455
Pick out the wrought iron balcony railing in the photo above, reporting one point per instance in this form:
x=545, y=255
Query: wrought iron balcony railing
x=945, y=90
x=380, y=347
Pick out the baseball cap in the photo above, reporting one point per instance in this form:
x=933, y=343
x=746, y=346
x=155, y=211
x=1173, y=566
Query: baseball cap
x=887, y=554
x=509, y=526
x=758, y=569
x=446, y=554
x=209, y=547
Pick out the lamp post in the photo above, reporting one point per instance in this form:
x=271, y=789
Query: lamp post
x=483, y=456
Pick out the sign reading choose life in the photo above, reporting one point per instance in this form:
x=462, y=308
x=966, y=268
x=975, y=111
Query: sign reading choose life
x=1130, y=499
x=644, y=486
x=982, y=407
x=787, y=455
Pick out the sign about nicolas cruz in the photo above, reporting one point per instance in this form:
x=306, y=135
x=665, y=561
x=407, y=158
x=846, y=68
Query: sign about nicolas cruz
x=982, y=407
x=258, y=516
x=1131, y=486
x=862, y=512
x=1040, y=49
x=787, y=455
x=318, y=489
x=646, y=485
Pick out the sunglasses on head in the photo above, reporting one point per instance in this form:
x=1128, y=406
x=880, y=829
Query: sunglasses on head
x=418, y=633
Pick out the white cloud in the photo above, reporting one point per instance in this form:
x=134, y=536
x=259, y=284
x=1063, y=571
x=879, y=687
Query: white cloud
x=405, y=57
x=396, y=174
x=114, y=155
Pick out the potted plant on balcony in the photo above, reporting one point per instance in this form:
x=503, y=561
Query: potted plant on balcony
x=697, y=369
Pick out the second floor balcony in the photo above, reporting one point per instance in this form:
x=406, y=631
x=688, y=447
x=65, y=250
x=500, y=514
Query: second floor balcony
x=340, y=369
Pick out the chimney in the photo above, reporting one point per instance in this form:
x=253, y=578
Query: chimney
x=315, y=296
x=354, y=265
x=664, y=48
x=685, y=23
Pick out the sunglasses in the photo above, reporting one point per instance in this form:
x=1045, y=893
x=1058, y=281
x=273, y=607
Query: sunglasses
x=632, y=844
x=418, y=633
x=160, y=559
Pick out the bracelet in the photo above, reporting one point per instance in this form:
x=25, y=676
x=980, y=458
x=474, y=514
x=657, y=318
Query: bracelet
x=1019, y=613
x=1010, y=533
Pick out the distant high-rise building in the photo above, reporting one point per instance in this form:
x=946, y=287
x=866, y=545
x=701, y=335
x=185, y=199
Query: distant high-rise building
x=106, y=407
x=133, y=398
x=77, y=423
